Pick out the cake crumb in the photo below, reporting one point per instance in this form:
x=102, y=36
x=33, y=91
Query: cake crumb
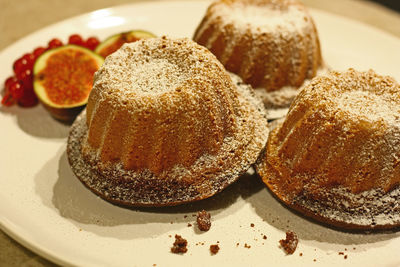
x=247, y=246
x=314, y=260
x=189, y=225
x=301, y=254
x=252, y=224
x=180, y=245
x=214, y=249
x=264, y=237
x=341, y=253
x=203, y=220
x=290, y=243
x=237, y=244
x=345, y=257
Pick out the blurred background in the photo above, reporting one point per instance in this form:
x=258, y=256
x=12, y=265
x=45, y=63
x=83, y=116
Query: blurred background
x=393, y=4
x=19, y=18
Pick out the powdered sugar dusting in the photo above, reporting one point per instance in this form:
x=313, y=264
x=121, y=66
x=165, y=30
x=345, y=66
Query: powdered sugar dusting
x=160, y=76
x=336, y=156
x=370, y=209
x=265, y=17
x=277, y=102
x=269, y=44
x=212, y=173
x=152, y=66
x=369, y=106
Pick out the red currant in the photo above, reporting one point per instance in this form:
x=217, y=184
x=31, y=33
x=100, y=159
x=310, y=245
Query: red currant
x=20, y=65
x=7, y=100
x=75, y=39
x=29, y=99
x=55, y=43
x=26, y=78
x=30, y=60
x=38, y=51
x=10, y=80
x=16, y=90
x=91, y=43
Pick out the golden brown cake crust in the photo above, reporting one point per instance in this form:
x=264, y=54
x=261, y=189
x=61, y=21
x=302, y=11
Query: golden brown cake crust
x=270, y=44
x=165, y=124
x=206, y=177
x=153, y=102
x=335, y=157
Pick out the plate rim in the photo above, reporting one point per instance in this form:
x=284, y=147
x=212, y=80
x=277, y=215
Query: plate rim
x=10, y=228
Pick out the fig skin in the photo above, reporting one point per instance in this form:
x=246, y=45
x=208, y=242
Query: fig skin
x=114, y=42
x=66, y=115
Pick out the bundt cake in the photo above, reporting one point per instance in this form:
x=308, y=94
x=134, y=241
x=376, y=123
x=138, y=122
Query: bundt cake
x=271, y=44
x=336, y=156
x=165, y=124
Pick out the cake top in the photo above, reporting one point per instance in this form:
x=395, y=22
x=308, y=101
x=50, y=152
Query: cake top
x=155, y=66
x=263, y=15
x=369, y=106
x=363, y=96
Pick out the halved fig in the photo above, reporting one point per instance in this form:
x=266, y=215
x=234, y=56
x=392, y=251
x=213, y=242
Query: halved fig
x=63, y=79
x=114, y=42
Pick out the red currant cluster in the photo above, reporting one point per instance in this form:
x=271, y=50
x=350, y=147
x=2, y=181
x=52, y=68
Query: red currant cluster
x=19, y=88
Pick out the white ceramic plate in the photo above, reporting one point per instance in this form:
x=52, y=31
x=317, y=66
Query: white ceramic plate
x=43, y=206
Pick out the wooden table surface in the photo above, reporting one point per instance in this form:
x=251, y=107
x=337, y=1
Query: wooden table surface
x=20, y=18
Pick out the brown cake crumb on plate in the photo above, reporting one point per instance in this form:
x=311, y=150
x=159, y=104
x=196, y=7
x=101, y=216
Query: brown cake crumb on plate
x=290, y=243
x=214, y=249
x=180, y=245
x=203, y=220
